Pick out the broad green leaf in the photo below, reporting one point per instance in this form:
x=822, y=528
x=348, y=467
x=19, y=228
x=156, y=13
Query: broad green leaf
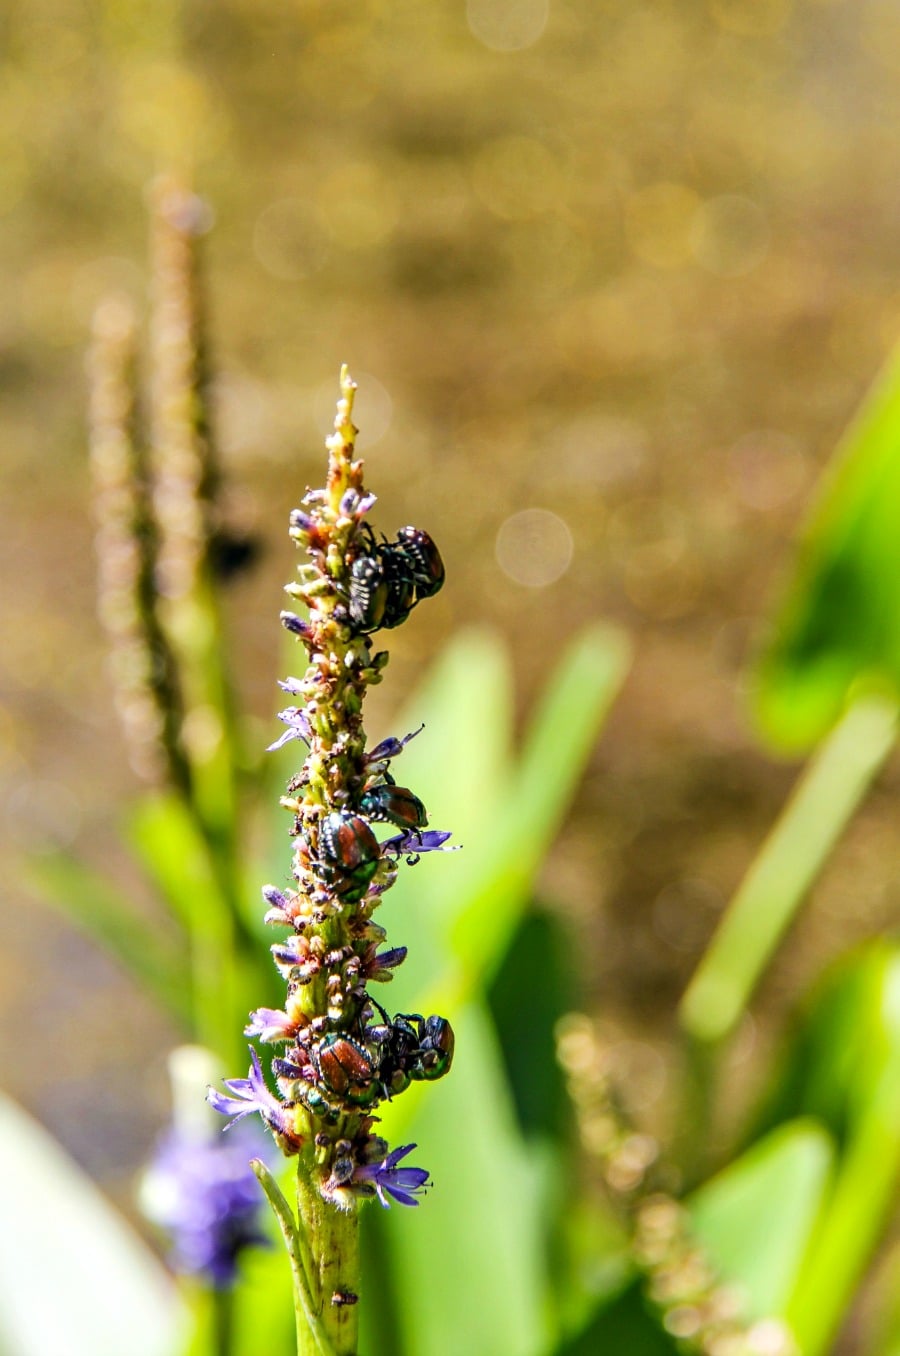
x=264, y=1303
x=73, y=1276
x=839, y=625
x=99, y=908
x=539, y=963
x=460, y=766
x=755, y=1218
x=468, y=1265
x=508, y=852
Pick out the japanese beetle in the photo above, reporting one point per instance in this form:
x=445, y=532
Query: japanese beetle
x=436, y=1046
x=389, y=804
x=427, y=1044
x=347, y=1069
x=369, y=590
x=423, y=559
x=401, y=597
x=410, y=1047
x=382, y=591
x=350, y=852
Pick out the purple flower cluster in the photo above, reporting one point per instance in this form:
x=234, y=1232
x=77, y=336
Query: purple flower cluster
x=201, y=1191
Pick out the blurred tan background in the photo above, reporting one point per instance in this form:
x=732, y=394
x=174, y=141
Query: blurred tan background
x=628, y=265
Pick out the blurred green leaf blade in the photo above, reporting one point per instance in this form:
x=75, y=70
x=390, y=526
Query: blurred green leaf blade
x=778, y=880
x=868, y=1167
x=756, y=1217
x=561, y=734
x=100, y=909
x=625, y=1323
x=537, y=964
x=838, y=628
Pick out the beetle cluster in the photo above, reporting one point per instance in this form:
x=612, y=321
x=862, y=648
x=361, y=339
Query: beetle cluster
x=388, y=578
x=341, y=1072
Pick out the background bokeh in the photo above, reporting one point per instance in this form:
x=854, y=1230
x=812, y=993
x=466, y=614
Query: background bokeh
x=611, y=276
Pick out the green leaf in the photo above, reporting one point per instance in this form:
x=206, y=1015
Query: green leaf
x=73, y=1276
x=538, y=962
x=508, y=852
x=624, y=1325
x=175, y=857
x=460, y=766
x=839, y=1051
x=755, y=1218
x=787, y=864
x=866, y=1179
x=504, y=813
x=264, y=1320
x=839, y=625
x=97, y=907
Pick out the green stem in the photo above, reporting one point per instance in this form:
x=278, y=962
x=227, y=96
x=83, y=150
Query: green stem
x=332, y=1263
x=223, y=1315
x=791, y=858
x=323, y=1247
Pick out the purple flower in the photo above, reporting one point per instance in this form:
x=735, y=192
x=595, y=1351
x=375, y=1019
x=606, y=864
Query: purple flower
x=292, y=685
x=378, y=965
x=355, y=505
x=297, y=724
x=296, y=625
x=251, y=1095
x=404, y=1184
x=203, y=1193
x=391, y=747
x=414, y=842
x=270, y=1024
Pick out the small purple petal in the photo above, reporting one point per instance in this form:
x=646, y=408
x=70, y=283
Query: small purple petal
x=391, y=747
x=251, y=1094
x=301, y=521
x=431, y=840
x=379, y=966
x=297, y=724
x=229, y=1106
x=389, y=960
x=284, y=738
x=272, y=895
x=296, y=625
x=270, y=1024
x=292, y=685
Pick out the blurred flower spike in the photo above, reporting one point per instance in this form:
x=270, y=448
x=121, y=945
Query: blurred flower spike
x=202, y=1192
x=340, y=1053
x=199, y=1187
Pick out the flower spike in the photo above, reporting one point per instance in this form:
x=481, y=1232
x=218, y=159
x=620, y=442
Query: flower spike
x=339, y=1054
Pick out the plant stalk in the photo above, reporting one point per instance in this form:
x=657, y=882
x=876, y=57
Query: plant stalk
x=332, y=1266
